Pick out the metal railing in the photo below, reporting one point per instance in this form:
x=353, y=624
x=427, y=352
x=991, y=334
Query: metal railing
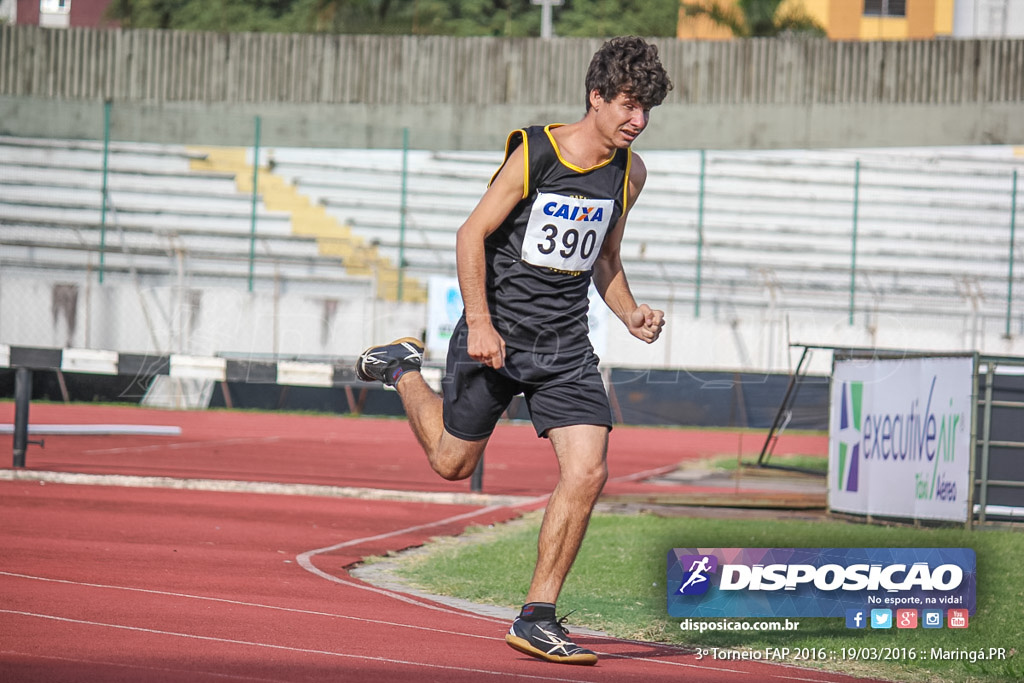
x=1012, y=488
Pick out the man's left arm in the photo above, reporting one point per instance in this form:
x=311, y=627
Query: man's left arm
x=642, y=321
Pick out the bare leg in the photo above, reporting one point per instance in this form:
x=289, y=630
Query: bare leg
x=451, y=457
x=581, y=451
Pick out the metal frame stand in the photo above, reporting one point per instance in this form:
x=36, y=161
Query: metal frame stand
x=22, y=398
x=783, y=415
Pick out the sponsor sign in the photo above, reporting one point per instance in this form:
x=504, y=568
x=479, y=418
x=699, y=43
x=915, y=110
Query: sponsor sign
x=850, y=583
x=444, y=308
x=899, y=437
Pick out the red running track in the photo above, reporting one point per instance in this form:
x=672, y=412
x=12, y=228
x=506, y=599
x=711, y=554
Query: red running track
x=103, y=583
x=337, y=451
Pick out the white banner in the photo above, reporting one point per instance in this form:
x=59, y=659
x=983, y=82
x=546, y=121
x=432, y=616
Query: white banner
x=444, y=308
x=597, y=320
x=900, y=437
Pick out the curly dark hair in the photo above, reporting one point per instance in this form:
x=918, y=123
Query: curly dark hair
x=628, y=65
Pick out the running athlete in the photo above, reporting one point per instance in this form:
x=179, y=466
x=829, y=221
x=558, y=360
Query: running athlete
x=551, y=221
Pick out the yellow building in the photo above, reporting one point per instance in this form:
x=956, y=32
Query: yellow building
x=844, y=19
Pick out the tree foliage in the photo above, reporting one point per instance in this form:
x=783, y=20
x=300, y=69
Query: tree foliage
x=756, y=18
x=583, y=18
x=202, y=15
x=606, y=18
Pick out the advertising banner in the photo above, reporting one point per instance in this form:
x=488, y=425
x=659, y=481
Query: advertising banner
x=900, y=437
x=444, y=308
x=818, y=582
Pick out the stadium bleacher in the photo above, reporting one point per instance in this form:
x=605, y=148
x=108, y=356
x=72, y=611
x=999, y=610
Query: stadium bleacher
x=159, y=211
x=759, y=229
x=932, y=226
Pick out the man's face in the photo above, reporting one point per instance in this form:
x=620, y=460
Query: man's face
x=621, y=119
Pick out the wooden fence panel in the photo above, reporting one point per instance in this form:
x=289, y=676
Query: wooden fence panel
x=162, y=66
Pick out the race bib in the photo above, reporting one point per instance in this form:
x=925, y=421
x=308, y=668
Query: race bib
x=566, y=233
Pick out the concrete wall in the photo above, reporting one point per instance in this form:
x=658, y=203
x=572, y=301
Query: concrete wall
x=455, y=127
x=761, y=342
x=63, y=312
x=160, y=317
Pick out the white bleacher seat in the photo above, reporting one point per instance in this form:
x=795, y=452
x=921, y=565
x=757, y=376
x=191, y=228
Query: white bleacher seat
x=159, y=209
x=932, y=225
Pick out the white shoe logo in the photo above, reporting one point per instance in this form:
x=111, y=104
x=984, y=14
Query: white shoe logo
x=557, y=642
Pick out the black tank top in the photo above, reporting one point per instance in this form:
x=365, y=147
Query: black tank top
x=540, y=260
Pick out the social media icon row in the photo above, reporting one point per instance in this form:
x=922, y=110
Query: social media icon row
x=905, y=618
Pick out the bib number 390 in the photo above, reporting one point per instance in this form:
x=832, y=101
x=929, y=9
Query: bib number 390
x=566, y=233
x=569, y=242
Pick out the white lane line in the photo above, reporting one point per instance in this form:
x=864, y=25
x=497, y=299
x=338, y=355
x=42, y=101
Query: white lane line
x=430, y=629
x=191, y=673
x=186, y=444
x=241, y=603
x=645, y=474
x=675, y=649
x=264, y=487
x=305, y=561
x=302, y=650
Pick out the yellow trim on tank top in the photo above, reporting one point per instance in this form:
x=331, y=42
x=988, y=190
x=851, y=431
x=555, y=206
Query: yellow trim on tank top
x=526, y=161
x=558, y=152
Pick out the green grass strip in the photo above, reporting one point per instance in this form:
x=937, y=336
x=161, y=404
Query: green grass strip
x=618, y=585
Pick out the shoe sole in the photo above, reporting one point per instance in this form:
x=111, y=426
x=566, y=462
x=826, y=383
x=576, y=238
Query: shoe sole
x=523, y=645
x=359, y=366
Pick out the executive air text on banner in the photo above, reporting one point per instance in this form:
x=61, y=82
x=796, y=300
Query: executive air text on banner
x=900, y=437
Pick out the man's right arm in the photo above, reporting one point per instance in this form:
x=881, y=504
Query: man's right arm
x=507, y=190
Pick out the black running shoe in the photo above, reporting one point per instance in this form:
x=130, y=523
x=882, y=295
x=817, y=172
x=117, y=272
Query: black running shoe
x=388, y=362
x=549, y=640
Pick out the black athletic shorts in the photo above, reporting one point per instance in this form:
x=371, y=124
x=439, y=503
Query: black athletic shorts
x=561, y=389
